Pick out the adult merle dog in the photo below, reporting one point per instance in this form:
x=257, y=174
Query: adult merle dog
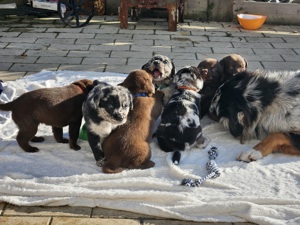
x=263, y=105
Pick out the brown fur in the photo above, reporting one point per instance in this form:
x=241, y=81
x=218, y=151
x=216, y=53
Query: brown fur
x=279, y=142
x=233, y=64
x=57, y=107
x=128, y=147
x=213, y=76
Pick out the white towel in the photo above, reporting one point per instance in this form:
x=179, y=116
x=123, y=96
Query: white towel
x=263, y=192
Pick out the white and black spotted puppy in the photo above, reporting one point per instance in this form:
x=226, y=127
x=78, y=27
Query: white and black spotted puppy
x=105, y=108
x=180, y=127
x=163, y=70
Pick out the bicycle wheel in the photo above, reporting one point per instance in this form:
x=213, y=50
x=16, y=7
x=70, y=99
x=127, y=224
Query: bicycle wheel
x=75, y=13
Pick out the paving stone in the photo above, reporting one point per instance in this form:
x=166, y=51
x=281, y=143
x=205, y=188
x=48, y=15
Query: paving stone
x=63, y=30
x=24, y=46
x=88, y=54
x=18, y=59
x=105, y=61
x=12, y=51
x=278, y=51
x=131, y=54
x=68, y=47
x=252, y=45
x=12, y=210
x=178, y=43
x=228, y=51
x=292, y=39
x=20, y=67
x=286, y=45
x=163, y=48
x=9, y=34
x=281, y=65
x=38, y=35
x=109, y=47
x=131, y=31
x=90, y=67
x=136, y=42
x=264, y=40
x=5, y=65
x=75, y=35
x=17, y=39
x=92, y=221
x=214, y=44
x=60, y=60
x=191, y=50
x=10, y=76
x=108, y=213
x=227, y=39
x=152, y=37
x=46, y=52
x=291, y=58
x=5, y=220
x=67, y=41
x=28, y=29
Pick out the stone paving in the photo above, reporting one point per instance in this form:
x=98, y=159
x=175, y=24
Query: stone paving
x=29, y=45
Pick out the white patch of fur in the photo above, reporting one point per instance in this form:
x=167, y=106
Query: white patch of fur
x=249, y=156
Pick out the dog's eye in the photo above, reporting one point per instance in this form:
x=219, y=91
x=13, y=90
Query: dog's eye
x=125, y=105
x=165, y=61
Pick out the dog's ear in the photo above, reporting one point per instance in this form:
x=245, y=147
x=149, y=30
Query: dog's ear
x=146, y=66
x=246, y=63
x=173, y=71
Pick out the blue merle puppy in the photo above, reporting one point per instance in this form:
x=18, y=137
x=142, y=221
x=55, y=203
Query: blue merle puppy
x=105, y=108
x=180, y=127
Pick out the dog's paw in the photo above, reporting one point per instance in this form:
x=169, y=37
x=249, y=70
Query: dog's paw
x=203, y=142
x=75, y=147
x=100, y=162
x=249, y=156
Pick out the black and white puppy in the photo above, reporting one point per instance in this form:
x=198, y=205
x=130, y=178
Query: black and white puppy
x=105, y=108
x=180, y=127
x=263, y=105
x=163, y=70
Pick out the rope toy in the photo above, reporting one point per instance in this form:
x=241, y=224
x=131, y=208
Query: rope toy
x=211, y=167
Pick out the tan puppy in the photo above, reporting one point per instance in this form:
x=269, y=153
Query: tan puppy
x=57, y=107
x=213, y=76
x=127, y=147
x=233, y=64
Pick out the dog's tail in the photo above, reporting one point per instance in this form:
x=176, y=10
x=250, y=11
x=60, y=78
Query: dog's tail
x=6, y=107
x=176, y=157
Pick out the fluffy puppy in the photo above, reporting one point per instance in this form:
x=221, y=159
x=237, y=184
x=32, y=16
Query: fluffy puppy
x=264, y=104
x=180, y=127
x=105, y=108
x=213, y=76
x=233, y=64
x=57, y=107
x=127, y=147
x=163, y=71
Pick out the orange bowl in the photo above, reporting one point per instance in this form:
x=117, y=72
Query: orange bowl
x=251, y=21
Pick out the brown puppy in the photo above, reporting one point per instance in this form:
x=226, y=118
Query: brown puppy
x=233, y=64
x=213, y=76
x=57, y=107
x=127, y=147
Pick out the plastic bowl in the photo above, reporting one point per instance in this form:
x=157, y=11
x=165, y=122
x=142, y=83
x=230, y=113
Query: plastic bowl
x=251, y=21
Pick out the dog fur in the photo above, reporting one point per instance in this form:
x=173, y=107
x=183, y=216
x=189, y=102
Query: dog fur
x=105, y=108
x=127, y=147
x=57, y=107
x=163, y=70
x=263, y=104
x=180, y=127
x=233, y=64
x=213, y=76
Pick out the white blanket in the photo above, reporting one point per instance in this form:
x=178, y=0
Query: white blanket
x=263, y=192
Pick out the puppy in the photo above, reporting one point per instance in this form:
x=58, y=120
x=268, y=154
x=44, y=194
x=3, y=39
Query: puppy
x=127, y=147
x=213, y=76
x=163, y=71
x=180, y=126
x=57, y=107
x=233, y=64
x=263, y=105
x=105, y=108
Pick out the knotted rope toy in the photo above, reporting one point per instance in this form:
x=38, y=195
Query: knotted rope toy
x=211, y=167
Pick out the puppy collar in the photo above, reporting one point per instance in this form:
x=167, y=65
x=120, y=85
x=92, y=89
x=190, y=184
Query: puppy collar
x=187, y=88
x=83, y=91
x=140, y=95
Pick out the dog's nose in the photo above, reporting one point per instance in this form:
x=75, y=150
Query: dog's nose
x=156, y=63
x=118, y=117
